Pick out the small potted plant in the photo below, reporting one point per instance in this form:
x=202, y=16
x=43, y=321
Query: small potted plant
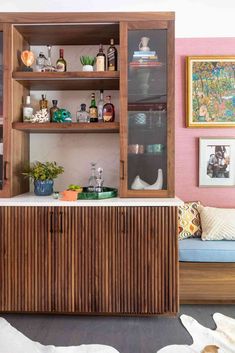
x=43, y=175
x=71, y=194
x=87, y=62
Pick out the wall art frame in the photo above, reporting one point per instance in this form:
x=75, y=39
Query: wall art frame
x=210, y=92
x=216, y=162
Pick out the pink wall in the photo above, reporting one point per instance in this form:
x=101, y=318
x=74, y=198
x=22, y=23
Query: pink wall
x=187, y=138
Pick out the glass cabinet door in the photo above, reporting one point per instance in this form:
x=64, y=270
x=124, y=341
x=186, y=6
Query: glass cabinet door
x=1, y=109
x=5, y=64
x=147, y=118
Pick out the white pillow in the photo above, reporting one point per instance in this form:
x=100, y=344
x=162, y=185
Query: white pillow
x=217, y=223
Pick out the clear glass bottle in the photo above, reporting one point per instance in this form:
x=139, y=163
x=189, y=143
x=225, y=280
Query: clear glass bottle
x=27, y=111
x=61, y=64
x=83, y=115
x=43, y=103
x=100, y=105
x=49, y=67
x=54, y=108
x=108, y=110
x=92, y=178
x=101, y=59
x=93, y=112
x=112, y=56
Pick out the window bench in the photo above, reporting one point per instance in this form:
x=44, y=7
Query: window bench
x=207, y=271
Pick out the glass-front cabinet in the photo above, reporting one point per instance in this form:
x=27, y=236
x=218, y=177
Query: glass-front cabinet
x=4, y=130
x=147, y=109
x=1, y=108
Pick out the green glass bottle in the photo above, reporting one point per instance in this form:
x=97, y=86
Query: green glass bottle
x=93, y=111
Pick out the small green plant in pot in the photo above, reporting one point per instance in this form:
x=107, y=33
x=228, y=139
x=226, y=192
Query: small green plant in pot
x=87, y=62
x=43, y=175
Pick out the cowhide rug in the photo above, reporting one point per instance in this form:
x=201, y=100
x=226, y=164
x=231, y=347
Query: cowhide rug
x=12, y=341
x=205, y=340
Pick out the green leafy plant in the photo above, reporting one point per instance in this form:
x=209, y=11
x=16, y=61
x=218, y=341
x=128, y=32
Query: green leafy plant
x=87, y=60
x=74, y=187
x=43, y=171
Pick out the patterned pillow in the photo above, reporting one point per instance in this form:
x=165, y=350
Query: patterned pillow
x=189, y=220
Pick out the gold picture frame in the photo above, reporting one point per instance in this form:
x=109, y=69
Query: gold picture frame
x=210, y=91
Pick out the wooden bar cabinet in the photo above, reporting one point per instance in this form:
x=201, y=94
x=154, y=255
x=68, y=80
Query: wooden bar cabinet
x=89, y=260
x=117, y=260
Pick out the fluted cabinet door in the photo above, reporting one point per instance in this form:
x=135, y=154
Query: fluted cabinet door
x=25, y=259
x=125, y=260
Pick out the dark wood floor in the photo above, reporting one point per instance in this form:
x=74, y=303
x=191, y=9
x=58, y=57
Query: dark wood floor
x=126, y=334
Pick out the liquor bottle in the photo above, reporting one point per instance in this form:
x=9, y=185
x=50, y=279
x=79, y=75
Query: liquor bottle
x=83, y=115
x=61, y=64
x=108, y=110
x=93, y=112
x=100, y=106
x=112, y=56
x=100, y=59
x=27, y=110
x=53, y=109
x=43, y=103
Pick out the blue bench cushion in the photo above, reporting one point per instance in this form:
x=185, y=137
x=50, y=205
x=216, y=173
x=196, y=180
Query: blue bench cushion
x=197, y=250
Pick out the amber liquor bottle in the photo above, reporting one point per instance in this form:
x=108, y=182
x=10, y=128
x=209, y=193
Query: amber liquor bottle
x=112, y=56
x=108, y=110
x=93, y=111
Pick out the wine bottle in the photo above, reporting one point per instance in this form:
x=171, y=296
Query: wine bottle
x=112, y=56
x=108, y=110
x=61, y=65
x=100, y=59
x=93, y=113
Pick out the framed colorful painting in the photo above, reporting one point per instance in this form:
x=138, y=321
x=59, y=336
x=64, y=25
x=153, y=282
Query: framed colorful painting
x=211, y=91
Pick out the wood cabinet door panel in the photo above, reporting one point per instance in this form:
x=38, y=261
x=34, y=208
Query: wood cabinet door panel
x=25, y=251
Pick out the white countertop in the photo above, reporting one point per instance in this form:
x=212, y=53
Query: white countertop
x=29, y=199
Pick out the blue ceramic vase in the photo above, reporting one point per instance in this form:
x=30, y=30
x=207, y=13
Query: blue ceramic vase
x=43, y=187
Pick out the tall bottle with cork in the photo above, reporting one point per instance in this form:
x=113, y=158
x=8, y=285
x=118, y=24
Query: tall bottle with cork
x=101, y=60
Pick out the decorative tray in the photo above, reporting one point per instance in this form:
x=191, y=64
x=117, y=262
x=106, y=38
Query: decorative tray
x=107, y=193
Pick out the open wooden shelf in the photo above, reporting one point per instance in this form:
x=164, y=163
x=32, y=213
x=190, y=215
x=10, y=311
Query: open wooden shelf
x=78, y=80
x=69, y=34
x=67, y=127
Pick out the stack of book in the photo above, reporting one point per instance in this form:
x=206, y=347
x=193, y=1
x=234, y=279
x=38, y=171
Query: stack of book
x=145, y=59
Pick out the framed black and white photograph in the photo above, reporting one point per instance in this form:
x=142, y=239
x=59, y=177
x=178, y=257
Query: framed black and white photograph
x=217, y=162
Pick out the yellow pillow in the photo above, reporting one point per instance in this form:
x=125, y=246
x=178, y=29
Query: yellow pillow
x=189, y=220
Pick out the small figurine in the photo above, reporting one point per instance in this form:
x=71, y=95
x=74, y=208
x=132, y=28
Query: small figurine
x=41, y=116
x=62, y=116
